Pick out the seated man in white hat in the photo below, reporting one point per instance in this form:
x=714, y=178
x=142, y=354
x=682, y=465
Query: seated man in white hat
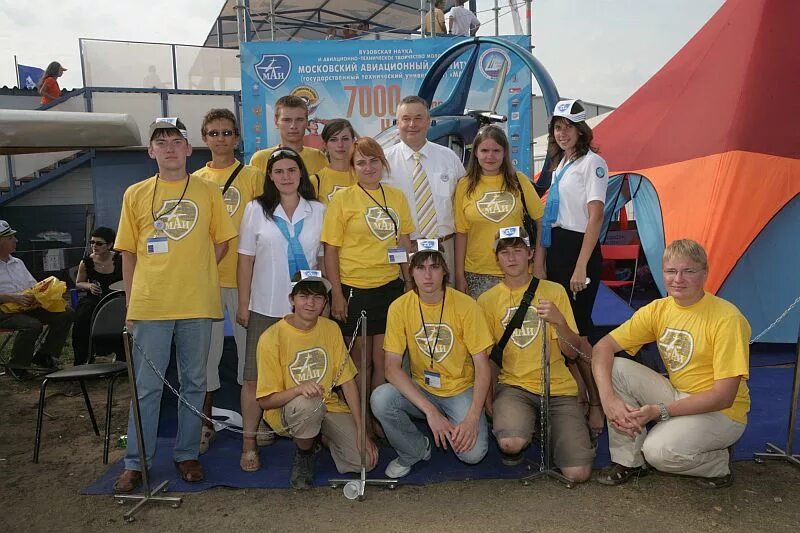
x=700, y=409
x=14, y=279
x=302, y=363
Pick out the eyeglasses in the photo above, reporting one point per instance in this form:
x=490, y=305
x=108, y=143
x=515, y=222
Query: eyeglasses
x=686, y=272
x=97, y=243
x=217, y=133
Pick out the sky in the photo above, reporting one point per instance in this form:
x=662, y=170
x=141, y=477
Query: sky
x=598, y=50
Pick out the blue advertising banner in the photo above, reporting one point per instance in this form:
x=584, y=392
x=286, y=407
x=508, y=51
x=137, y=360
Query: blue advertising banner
x=364, y=80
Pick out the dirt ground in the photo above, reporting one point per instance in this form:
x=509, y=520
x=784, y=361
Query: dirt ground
x=45, y=496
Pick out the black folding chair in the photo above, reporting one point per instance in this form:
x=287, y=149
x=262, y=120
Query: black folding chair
x=108, y=320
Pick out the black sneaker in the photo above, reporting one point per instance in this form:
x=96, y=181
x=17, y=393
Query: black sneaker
x=303, y=470
x=512, y=460
x=19, y=374
x=45, y=361
x=715, y=482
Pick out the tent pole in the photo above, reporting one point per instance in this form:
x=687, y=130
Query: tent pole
x=774, y=452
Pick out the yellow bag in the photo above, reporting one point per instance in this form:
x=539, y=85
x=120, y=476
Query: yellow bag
x=49, y=295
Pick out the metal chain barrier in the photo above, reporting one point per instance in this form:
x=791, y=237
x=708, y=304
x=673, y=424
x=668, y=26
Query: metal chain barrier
x=274, y=432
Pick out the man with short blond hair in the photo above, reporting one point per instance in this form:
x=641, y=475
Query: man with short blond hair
x=700, y=409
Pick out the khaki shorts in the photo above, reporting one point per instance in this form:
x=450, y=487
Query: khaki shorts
x=515, y=414
x=307, y=420
x=257, y=325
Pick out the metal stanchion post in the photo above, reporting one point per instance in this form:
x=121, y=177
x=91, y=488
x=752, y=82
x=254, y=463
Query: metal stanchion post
x=773, y=451
x=354, y=489
x=545, y=432
x=147, y=495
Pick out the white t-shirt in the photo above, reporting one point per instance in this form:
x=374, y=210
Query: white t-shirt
x=443, y=168
x=584, y=181
x=463, y=20
x=260, y=237
x=14, y=276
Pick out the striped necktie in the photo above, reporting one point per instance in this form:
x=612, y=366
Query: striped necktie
x=423, y=197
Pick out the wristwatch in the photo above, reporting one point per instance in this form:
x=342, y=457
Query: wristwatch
x=664, y=413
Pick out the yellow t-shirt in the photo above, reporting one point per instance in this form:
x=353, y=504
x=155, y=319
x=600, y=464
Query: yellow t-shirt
x=248, y=184
x=701, y=343
x=288, y=356
x=489, y=208
x=328, y=182
x=461, y=333
x=356, y=221
x=313, y=159
x=522, y=357
x=183, y=282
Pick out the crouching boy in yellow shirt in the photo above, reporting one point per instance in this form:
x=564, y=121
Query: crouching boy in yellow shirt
x=302, y=360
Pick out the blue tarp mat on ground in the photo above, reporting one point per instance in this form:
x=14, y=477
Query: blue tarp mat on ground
x=770, y=389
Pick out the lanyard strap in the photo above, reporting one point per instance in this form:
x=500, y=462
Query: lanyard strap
x=384, y=207
x=171, y=209
x=551, y=207
x=432, y=350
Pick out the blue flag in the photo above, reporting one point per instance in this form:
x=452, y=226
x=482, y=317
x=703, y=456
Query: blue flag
x=29, y=76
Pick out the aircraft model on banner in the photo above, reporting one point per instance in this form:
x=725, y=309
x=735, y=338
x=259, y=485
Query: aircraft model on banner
x=455, y=125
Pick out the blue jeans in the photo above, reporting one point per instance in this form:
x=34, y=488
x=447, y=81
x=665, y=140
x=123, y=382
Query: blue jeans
x=394, y=412
x=154, y=337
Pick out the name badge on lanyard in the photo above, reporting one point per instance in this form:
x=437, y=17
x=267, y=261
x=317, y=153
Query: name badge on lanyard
x=433, y=379
x=398, y=254
x=157, y=245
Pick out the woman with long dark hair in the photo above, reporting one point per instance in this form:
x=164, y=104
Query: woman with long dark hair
x=493, y=195
x=96, y=272
x=48, y=87
x=573, y=216
x=279, y=236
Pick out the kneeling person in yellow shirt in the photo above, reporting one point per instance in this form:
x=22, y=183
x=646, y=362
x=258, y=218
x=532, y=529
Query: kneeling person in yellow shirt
x=301, y=360
x=517, y=398
x=701, y=408
x=447, y=341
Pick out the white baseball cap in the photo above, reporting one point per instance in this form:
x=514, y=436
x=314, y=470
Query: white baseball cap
x=310, y=275
x=564, y=108
x=511, y=232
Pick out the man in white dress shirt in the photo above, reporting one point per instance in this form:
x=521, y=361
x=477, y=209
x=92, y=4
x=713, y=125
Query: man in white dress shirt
x=14, y=279
x=427, y=173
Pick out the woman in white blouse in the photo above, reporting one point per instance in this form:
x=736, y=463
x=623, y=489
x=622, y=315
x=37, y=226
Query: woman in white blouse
x=279, y=236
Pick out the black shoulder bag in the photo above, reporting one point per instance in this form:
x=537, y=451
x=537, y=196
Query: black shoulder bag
x=233, y=177
x=515, y=322
x=527, y=222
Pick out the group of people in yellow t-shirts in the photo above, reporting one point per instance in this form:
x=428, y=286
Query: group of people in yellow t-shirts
x=437, y=267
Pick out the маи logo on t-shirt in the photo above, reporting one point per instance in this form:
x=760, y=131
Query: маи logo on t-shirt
x=531, y=326
x=444, y=344
x=336, y=188
x=676, y=347
x=379, y=222
x=232, y=198
x=309, y=365
x=496, y=205
x=180, y=221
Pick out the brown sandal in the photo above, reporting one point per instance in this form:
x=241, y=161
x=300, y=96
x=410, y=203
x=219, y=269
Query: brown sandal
x=128, y=481
x=617, y=474
x=191, y=470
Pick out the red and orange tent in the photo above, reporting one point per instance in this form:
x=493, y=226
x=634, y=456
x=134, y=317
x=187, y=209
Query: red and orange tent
x=714, y=139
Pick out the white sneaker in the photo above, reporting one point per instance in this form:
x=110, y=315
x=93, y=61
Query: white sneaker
x=396, y=470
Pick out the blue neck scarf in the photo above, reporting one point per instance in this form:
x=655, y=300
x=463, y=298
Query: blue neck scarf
x=551, y=208
x=297, y=259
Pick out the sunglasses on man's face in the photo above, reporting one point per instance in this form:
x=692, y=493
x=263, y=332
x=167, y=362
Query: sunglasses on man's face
x=97, y=243
x=217, y=133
